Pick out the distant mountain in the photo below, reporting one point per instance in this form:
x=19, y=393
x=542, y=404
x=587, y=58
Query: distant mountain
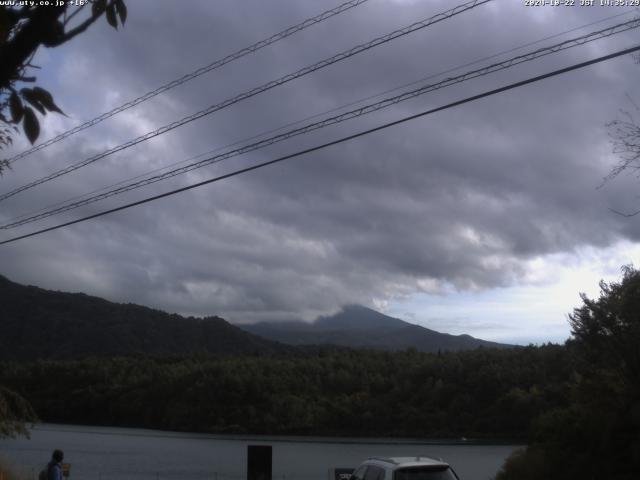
x=37, y=323
x=357, y=326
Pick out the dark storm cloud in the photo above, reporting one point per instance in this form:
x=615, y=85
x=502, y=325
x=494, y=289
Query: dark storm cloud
x=464, y=198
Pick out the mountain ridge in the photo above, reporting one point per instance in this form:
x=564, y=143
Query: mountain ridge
x=36, y=323
x=44, y=324
x=357, y=326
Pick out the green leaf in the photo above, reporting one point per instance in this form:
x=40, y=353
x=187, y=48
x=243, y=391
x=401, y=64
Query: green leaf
x=32, y=98
x=16, y=108
x=121, y=8
x=5, y=26
x=31, y=125
x=46, y=100
x=98, y=7
x=111, y=16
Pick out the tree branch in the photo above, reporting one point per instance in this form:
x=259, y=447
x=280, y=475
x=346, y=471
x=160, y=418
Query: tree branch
x=79, y=29
x=37, y=30
x=78, y=10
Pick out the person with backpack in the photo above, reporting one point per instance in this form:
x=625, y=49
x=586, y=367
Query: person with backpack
x=54, y=467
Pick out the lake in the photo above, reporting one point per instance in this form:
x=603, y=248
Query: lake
x=98, y=453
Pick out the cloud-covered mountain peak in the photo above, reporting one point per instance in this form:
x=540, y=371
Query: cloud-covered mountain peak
x=355, y=317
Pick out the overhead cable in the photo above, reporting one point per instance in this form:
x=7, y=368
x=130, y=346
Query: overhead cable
x=334, y=142
x=527, y=57
x=196, y=73
x=255, y=91
x=317, y=115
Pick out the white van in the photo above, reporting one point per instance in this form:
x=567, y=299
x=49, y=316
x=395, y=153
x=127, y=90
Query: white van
x=404, y=468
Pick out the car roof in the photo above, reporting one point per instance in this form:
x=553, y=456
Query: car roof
x=402, y=462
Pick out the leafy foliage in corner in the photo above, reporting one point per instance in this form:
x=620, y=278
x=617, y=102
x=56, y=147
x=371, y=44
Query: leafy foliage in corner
x=23, y=29
x=598, y=434
x=14, y=412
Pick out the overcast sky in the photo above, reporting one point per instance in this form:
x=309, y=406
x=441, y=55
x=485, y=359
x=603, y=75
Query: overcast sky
x=484, y=219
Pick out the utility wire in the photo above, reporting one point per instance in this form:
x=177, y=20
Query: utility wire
x=527, y=57
x=315, y=115
x=196, y=73
x=255, y=91
x=334, y=142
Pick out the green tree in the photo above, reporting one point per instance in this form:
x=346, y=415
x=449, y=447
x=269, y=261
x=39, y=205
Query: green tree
x=24, y=29
x=607, y=330
x=15, y=411
x=598, y=434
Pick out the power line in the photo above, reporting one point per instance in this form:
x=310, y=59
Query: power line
x=255, y=91
x=315, y=115
x=336, y=119
x=527, y=57
x=335, y=142
x=196, y=73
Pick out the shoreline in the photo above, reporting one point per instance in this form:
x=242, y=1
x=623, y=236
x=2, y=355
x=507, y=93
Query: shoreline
x=320, y=439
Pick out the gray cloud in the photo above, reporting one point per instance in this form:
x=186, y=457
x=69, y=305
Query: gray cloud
x=464, y=197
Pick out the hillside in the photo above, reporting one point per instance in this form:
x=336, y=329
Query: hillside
x=37, y=323
x=357, y=326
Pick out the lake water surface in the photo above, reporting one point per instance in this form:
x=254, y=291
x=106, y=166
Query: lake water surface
x=98, y=453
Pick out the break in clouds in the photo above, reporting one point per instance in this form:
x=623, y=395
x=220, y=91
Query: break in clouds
x=460, y=200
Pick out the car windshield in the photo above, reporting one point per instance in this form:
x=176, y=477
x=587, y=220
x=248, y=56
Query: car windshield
x=425, y=473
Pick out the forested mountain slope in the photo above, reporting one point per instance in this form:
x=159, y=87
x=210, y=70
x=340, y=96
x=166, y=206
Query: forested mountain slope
x=43, y=324
x=357, y=326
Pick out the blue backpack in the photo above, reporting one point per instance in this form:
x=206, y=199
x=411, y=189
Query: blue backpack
x=44, y=473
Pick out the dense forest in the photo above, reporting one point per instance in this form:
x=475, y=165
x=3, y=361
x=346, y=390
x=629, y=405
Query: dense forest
x=577, y=405
x=597, y=434
x=483, y=393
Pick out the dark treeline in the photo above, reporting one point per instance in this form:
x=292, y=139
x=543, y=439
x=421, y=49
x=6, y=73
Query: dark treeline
x=597, y=435
x=486, y=393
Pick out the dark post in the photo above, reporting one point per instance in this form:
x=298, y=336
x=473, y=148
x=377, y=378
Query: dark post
x=259, y=462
